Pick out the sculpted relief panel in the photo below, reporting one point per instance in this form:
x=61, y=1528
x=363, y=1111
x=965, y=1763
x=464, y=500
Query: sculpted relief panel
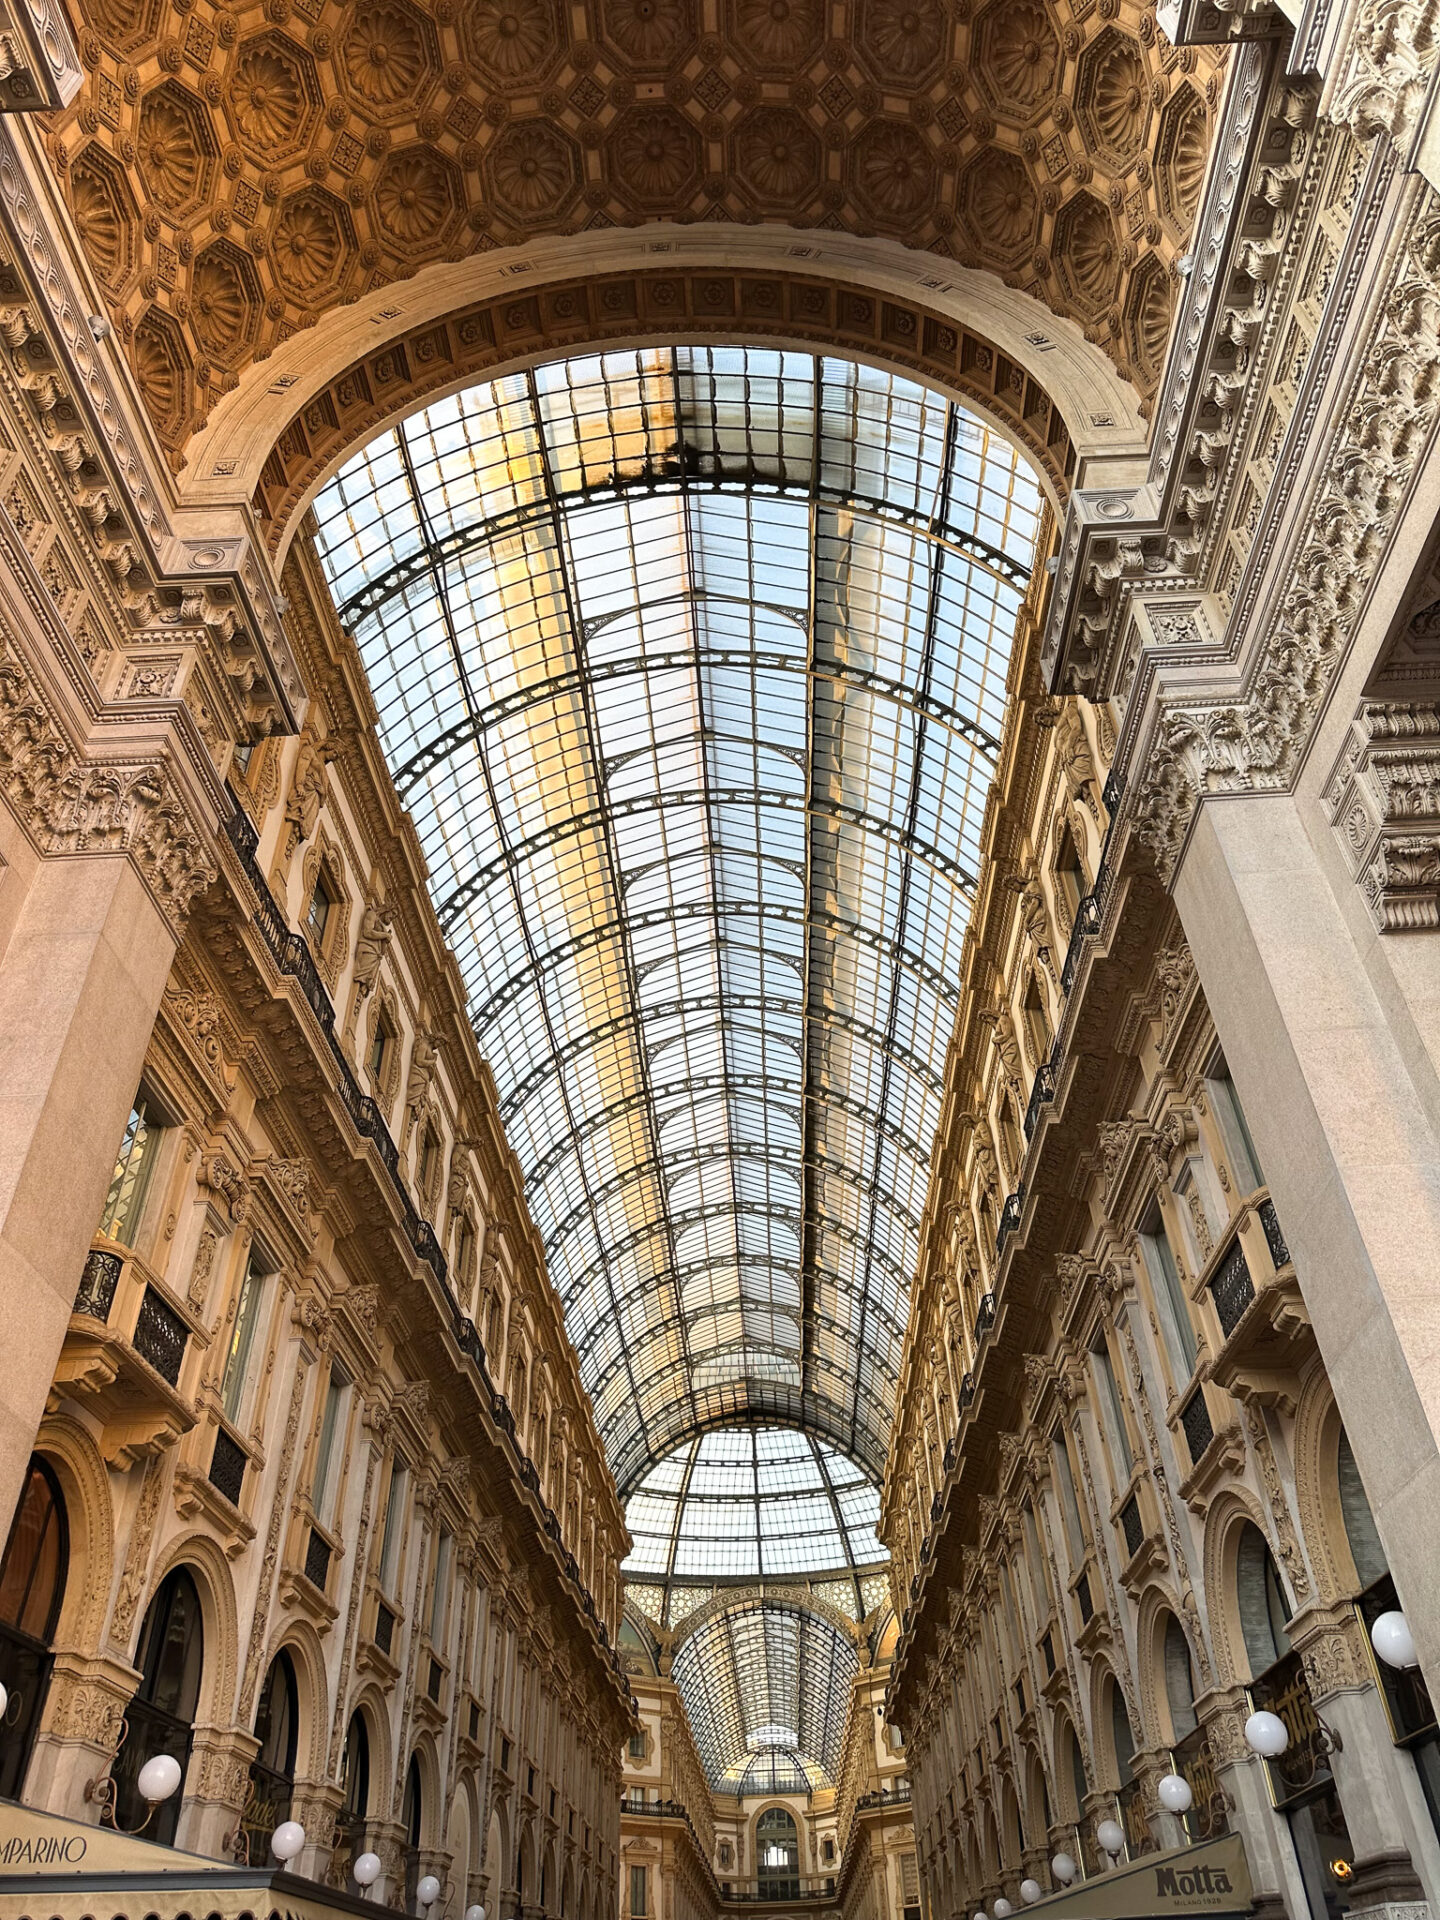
x=235, y=174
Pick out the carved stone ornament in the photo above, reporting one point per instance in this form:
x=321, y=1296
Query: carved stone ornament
x=1383, y=798
x=229, y=1186
x=71, y=805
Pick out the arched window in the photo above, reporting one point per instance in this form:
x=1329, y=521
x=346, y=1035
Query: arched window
x=1264, y=1609
x=1122, y=1739
x=272, y=1771
x=1365, y=1548
x=1179, y=1680
x=412, y=1817
x=161, y=1715
x=32, y=1586
x=1079, y=1785
x=777, y=1855
x=355, y=1789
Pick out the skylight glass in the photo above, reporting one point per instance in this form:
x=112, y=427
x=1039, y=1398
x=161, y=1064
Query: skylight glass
x=752, y=1503
x=767, y=1689
x=690, y=666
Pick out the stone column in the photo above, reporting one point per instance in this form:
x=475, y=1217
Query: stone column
x=217, y=1782
x=1343, y=1102
x=81, y=980
x=1274, y=1872
x=81, y=1725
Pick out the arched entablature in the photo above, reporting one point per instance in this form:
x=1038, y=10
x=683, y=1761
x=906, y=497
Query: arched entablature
x=70, y=1451
x=207, y=1566
x=1113, y=1734
x=1224, y=1528
x=755, y=1594
x=454, y=323
x=298, y=1638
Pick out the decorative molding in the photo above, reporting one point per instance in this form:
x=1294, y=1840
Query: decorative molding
x=1383, y=798
x=68, y=804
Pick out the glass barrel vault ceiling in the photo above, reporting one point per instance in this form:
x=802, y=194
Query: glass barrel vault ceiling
x=752, y=1503
x=690, y=666
x=766, y=1692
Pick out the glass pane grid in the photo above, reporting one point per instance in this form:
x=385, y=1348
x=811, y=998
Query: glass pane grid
x=690, y=666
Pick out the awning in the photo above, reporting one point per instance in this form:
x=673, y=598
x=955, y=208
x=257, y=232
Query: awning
x=69, y=1863
x=1212, y=1878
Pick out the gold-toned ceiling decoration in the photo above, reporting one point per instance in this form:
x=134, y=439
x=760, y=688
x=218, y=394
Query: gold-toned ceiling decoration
x=236, y=172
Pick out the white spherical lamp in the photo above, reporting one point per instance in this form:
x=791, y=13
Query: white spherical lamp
x=1176, y=1794
x=1031, y=1891
x=1063, y=1868
x=1265, y=1734
x=428, y=1891
x=1393, y=1641
x=474, y=1913
x=4, y=1701
x=158, y=1778
x=982, y=1915
x=366, y=1869
x=1002, y=1909
x=287, y=1840
x=1111, y=1836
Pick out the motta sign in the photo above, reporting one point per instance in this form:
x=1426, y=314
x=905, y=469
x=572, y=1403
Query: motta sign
x=1176, y=1882
x=1211, y=1878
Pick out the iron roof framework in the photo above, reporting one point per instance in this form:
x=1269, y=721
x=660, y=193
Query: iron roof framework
x=767, y=1690
x=690, y=665
x=753, y=1504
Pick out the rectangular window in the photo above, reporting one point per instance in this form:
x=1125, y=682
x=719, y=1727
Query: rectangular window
x=638, y=1905
x=394, y=1525
x=129, y=1183
x=1035, y=1561
x=1069, y=1505
x=440, y=1597
x=1114, y=1416
x=429, y=1153
x=637, y=1746
x=1230, y=1117
x=1170, y=1302
x=318, y=915
x=379, y=1053
x=331, y=1424
x=242, y=1341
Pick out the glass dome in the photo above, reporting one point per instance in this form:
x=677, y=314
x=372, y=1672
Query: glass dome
x=752, y=1502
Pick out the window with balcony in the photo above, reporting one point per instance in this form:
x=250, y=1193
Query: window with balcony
x=1171, y=1306
x=134, y=1168
x=393, y=1530
x=1069, y=1503
x=1234, y=1131
x=332, y=1429
x=235, y=1381
x=1113, y=1413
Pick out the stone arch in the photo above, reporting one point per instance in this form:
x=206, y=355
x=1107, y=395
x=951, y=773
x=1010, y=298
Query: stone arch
x=458, y=1827
x=1066, y=1803
x=1223, y=1523
x=1316, y=1453
x=310, y=381
x=527, y=1869
x=548, y=1876
x=1039, y=1807
x=299, y=1639
x=1158, y=1604
x=1107, y=1702
x=1012, y=1827
x=69, y=1450
x=207, y=1566
x=369, y=1703
x=499, y=1861
x=431, y=1809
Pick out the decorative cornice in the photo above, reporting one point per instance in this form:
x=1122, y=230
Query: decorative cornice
x=68, y=804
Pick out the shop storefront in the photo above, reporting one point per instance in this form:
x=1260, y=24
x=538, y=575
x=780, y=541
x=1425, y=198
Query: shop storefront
x=69, y=1871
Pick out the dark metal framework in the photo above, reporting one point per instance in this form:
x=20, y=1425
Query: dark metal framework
x=690, y=665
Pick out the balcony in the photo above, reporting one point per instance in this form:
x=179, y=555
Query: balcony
x=122, y=1356
x=1266, y=1329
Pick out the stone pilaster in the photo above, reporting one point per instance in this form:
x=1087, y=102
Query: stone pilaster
x=79, y=1731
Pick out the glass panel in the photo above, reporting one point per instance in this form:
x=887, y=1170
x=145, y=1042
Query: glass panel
x=125, y=1201
x=690, y=667
x=242, y=1340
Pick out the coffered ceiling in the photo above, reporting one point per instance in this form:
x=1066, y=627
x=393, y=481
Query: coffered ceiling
x=236, y=172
